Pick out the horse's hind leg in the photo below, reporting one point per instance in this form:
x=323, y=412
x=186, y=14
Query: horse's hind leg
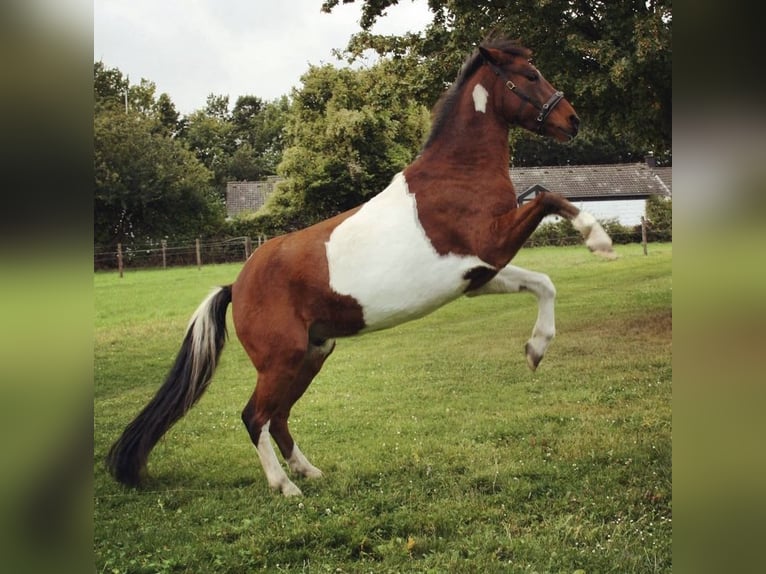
x=282, y=380
x=296, y=460
x=278, y=359
x=512, y=279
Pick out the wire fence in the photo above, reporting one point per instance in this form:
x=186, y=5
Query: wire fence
x=163, y=254
x=159, y=254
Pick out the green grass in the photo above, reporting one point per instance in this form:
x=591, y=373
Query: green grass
x=442, y=452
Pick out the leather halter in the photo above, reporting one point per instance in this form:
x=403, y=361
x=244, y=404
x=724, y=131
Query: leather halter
x=544, y=109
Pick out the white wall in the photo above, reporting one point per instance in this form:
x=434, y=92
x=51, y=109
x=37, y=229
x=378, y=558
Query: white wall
x=626, y=212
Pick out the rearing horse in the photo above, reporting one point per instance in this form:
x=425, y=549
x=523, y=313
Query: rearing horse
x=448, y=225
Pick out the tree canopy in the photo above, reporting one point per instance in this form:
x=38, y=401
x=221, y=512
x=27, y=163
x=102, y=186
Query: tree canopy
x=147, y=183
x=349, y=132
x=612, y=59
x=158, y=174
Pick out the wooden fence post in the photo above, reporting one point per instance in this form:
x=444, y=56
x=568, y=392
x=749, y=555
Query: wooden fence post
x=199, y=258
x=248, y=247
x=643, y=234
x=164, y=244
x=119, y=258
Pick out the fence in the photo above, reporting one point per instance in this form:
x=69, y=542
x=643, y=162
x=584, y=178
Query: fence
x=199, y=252
x=163, y=254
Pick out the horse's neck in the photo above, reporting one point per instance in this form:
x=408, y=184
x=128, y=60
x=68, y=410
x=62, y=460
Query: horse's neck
x=475, y=137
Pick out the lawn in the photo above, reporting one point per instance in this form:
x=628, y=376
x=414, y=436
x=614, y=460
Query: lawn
x=442, y=451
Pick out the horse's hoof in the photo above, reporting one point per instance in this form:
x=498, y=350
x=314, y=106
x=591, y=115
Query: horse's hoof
x=289, y=489
x=313, y=473
x=533, y=358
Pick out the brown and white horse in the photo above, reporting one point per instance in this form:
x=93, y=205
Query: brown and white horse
x=446, y=226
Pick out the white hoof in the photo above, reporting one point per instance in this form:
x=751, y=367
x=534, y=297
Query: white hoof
x=289, y=489
x=312, y=473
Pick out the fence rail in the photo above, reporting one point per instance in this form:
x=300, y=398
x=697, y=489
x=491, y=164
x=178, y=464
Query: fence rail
x=163, y=254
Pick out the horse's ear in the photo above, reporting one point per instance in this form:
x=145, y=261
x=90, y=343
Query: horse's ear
x=490, y=55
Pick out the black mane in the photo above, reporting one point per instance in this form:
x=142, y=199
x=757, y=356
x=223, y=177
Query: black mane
x=446, y=104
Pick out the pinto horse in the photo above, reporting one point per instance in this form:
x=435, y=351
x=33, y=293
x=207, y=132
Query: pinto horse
x=447, y=225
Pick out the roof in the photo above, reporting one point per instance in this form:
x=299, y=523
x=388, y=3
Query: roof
x=248, y=196
x=594, y=182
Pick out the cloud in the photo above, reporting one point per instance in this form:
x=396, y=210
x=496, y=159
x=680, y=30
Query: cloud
x=190, y=49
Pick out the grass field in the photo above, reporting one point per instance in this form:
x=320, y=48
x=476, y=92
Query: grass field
x=441, y=451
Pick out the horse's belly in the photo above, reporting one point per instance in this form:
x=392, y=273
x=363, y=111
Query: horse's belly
x=382, y=258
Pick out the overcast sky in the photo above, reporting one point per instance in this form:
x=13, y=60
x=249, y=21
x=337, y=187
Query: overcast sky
x=191, y=48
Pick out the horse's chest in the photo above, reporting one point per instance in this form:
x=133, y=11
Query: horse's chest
x=382, y=257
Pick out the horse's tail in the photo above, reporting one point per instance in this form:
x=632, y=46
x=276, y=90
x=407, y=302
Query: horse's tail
x=184, y=385
x=596, y=238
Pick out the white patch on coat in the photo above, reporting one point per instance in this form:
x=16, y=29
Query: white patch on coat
x=512, y=279
x=596, y=239
x=480, y=96
x=275, y=474
x=299, y=464
x=382, y=258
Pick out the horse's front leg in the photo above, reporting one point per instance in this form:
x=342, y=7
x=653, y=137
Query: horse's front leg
x=512, y=279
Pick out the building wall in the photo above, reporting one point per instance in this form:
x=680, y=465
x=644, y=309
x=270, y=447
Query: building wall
x=627, y=211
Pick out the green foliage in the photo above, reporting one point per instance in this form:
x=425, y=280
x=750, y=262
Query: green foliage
x=349, y=132
x=147, y=185
x=562, y=232
x=612, y=59
x=245, y=144
x=442, y=452
x=209, y=137
x=258, y=131
x=659, y=212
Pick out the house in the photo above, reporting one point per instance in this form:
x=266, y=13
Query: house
x=611, y=191
x=248, y=196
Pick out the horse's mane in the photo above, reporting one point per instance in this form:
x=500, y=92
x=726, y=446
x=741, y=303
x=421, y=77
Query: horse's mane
x=446, y=103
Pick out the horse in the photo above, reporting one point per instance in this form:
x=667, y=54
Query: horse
x=447, y=225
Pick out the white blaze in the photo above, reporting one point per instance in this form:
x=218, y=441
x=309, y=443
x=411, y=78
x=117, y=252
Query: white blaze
x=480, y=96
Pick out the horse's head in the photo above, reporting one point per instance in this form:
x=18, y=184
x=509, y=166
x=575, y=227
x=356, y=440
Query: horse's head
x=528, y=100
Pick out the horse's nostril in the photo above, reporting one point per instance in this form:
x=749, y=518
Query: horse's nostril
x=575, y=121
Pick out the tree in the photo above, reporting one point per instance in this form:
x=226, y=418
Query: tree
x=109, y=87
x=258, y=133
x=613, y=59
x=167, y=116
x=349, y=132
x=147, y=185
x=208, y=134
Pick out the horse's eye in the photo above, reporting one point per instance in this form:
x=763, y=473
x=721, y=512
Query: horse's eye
x=533, y=77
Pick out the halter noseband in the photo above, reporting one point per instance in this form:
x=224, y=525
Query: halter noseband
x=544, y=110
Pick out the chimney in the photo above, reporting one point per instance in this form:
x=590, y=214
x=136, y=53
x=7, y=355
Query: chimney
x=650, y=160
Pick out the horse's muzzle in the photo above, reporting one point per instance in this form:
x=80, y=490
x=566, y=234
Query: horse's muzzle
x=575, y=123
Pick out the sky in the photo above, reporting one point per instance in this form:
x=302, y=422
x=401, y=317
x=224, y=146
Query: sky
x=192, y=48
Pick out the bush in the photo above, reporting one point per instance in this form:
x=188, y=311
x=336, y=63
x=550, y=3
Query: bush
x=563, y=233
x=659, y=212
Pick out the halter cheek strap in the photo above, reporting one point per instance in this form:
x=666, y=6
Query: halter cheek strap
x=544, y=109
x=548, y=108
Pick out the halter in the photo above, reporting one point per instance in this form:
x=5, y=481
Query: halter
x=544, y=110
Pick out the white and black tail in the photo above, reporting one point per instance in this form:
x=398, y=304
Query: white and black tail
x=186, y=382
